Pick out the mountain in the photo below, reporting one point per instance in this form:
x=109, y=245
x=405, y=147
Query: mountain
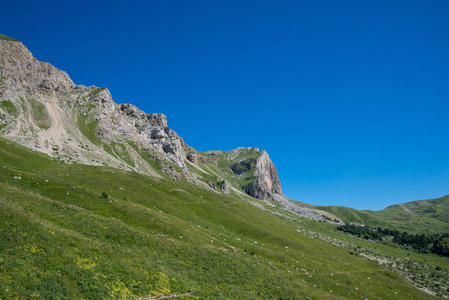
x=42, y=109
x=100, y=200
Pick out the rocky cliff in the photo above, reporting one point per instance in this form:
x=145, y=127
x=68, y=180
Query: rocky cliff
x=266, y=180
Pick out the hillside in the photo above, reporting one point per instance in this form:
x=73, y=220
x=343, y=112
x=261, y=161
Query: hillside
x=100, y=200
x=95, y=232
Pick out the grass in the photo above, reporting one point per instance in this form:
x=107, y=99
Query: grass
x=122, y=152
x=96, y=91
x=88, y=128
x=205, y=177
x=150, y=237
x=424, y=270
x=40, y=114
x=247, y=154
x=9, y=107
x=7, y=38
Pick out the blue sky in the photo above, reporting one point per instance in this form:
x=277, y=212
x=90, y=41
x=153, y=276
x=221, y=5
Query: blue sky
x=349, y=98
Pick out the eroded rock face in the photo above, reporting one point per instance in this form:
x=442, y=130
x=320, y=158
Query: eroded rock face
x=148, y=131
x=25, y=74
x=157, y=120
x=173, y=150
x=267, y=179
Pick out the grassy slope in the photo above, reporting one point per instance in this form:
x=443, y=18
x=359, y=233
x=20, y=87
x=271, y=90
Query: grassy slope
x=60, y=238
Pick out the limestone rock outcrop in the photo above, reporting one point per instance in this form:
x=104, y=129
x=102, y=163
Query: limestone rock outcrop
x=266, y=179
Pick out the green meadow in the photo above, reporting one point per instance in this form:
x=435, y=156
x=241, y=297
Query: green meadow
x=84, y=232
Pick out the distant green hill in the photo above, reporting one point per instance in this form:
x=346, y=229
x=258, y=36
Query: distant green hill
x=423, y=216
x=351, y=215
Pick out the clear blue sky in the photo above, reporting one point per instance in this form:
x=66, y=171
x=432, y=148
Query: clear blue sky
x=349, y=98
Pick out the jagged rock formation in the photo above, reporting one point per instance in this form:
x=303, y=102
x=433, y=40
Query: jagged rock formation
x=43, y=109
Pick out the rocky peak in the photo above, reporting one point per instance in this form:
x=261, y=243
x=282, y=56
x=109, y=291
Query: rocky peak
x=266, y=181
x=252, y=163
x=268, y=173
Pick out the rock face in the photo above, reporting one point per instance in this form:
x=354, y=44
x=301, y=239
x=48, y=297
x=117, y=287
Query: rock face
x=266, y=180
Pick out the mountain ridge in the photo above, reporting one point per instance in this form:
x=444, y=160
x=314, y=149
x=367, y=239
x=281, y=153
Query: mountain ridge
x=42, y=109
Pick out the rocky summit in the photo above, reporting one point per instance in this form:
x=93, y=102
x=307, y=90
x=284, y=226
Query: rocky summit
x=43, y=109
